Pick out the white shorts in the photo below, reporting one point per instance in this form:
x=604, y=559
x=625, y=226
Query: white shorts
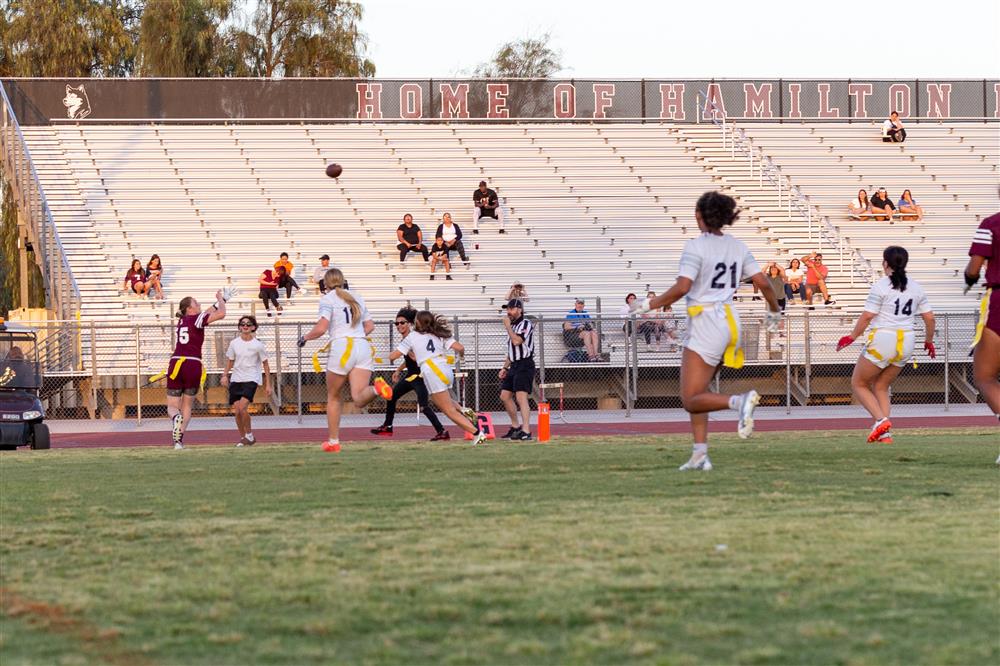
x=708, y=334
x=886, y=346
x=432, y=381
x=349, y=353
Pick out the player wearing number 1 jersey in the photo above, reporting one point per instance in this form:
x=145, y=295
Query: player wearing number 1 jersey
x=343, y=315
x=430, y=343
x=892, y=304
x=185, y=371
x=712, y=266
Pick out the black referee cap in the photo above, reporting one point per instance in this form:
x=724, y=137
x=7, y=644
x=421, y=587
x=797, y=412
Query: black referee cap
x=515, y=303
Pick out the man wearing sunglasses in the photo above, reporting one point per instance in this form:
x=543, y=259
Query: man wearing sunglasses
x=406, y=378
x=247, y=360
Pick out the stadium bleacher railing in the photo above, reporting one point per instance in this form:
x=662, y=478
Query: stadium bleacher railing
x=19, y=171
x=796, y=368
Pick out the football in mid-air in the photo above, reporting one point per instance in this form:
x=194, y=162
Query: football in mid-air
x=334, y=170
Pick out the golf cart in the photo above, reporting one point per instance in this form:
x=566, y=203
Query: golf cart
x=21, y=410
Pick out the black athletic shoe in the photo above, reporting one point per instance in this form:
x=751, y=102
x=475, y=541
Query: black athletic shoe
x=511, y=434
x=522, y=436
x=502, y=231
x=447, y=277
x=441, y=436
x=383, y=430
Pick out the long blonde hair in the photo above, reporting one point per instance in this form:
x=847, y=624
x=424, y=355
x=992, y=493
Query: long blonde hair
x=334, y=279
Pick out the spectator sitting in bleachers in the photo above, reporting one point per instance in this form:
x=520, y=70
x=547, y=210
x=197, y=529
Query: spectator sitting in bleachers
x=882, y=206
x=154, y=273
x=816, y=274
x=860, y=207
x=320, y=272
x=269, y=281
x=452, y=235
x=410, y=239
x=892, y=129
x=908, y=208
x=439, y=255
x=287, y=281
x=626, y=310
x=487, y=205
x=795, y=281
x=659, y=324
x=776, y=276
x=135, y=280
x=516, y=291
x=578, y=331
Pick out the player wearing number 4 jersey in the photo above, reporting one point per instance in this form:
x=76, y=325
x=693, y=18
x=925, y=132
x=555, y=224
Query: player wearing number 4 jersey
x=343, y=315
x=185, y=372
x=712, y=266
x=430, y=343
x=892, y=304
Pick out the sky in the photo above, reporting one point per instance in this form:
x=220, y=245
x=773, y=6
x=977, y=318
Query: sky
x=694, y=38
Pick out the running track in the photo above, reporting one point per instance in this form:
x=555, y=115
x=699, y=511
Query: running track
x=410, y=433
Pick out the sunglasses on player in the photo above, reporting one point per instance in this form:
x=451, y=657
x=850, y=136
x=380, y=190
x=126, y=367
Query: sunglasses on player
x=402, y=323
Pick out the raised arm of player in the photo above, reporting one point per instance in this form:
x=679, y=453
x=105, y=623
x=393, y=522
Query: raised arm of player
x=218, y=310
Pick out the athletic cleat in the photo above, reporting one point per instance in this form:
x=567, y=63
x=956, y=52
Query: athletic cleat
x=699, y=463
x=177, y=431
x=749, y=403
x=382, y=430
x=442, y=436
x=479, y=437
x=511, y=433
x=879, y=429
x=331, y=447
x=178, y=446
x=383, y=389
x=885, y=438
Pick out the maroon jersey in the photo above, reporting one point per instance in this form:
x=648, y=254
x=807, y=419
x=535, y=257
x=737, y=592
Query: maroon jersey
x=986, y=243
x=191, y=335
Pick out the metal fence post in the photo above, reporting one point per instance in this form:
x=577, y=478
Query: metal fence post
x=93, y=367
x=277, y=359
x=138, y=378
x=807, y=366
x=541, y=352
x=475, y=344
x=788, y=364
x=298, y=374
x=635, y=362
x=947, y=353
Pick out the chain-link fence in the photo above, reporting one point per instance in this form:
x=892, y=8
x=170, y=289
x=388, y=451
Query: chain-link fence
x=615, y=364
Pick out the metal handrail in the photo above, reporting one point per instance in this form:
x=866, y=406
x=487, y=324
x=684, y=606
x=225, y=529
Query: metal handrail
x=33, y=203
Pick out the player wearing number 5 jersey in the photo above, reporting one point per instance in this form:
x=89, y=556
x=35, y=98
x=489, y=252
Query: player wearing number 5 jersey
x=343, y=315
x=892, y=304
x=712, y=266
x=185, y=372
x=430, y=343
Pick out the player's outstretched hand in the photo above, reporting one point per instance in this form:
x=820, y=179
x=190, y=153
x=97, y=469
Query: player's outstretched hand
x=845, y=341
x=301, y=342
x=772, y=320
x=642, y=307
x=931, y=350
x=228, y=293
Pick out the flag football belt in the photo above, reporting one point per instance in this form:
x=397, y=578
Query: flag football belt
x=437, y=370
x=984, y=313
x=177, y=368
x=899, y=346
x=733, y=356
x=317, y=366
x=449, y=359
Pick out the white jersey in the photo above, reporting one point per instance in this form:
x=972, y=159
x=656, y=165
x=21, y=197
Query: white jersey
x=424, y=346
x=716, y=265
x=336, y=310
x=896, y=309
x=248, y=357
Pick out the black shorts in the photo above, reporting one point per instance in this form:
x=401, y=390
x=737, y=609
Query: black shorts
x=520, y=377
x=239, y=390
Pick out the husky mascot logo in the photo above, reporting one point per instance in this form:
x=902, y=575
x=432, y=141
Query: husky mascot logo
x=76, y=102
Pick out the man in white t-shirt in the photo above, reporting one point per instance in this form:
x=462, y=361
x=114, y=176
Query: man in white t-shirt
x=324, y=266
x=247, y=360
x=452, y=235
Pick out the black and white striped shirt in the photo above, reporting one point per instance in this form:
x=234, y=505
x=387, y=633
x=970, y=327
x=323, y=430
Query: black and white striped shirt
x=526, y=350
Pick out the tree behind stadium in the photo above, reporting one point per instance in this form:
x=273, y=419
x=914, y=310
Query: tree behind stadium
x=526, y=58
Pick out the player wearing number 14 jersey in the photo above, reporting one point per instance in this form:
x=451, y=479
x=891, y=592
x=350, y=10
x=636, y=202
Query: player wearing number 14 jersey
x=892, y=304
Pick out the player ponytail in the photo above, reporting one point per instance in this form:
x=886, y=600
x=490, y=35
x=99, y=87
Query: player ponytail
x=716, y=210
x=334, y=280
x=896, y=258
x=183, y=307
x=428, y=322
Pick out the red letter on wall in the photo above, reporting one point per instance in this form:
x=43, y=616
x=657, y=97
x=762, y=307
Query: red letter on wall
x=824, y=102
x=603, y=94
x=411, y=102
x=899, y=99
x=454, y=101
x=564, y=100
x=860, y=93
x=672, y=101
x=369, y=100
x=938, y=100
x=757, y=103
x=496, y=93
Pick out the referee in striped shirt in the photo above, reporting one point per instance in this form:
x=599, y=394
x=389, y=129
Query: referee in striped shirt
x=518, y=372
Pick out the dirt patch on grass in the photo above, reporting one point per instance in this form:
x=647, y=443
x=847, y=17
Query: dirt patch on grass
x=97, y=642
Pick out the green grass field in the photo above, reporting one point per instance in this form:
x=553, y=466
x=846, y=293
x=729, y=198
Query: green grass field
x=799, y=548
